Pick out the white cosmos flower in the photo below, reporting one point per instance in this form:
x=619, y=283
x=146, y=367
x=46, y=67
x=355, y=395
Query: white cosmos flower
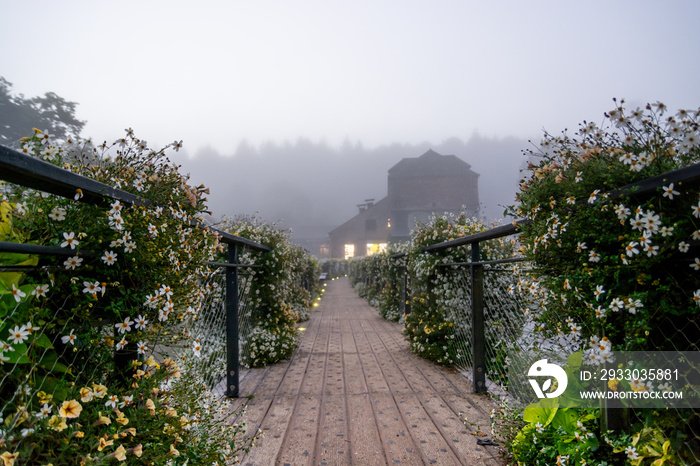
x=72, y=262
x=631, y=249
x=666, y=231
x=92, y=288
x=669, y=192
x=651, y=221
x=17, y=293
x=112, y=401
x=696, y=210
x=58, y=214
x=141, y=323
x=70, y=240
x=683, y=246
x=70, y=338
x=593, y=197
x=141, y=347
x=124, y=326
x=43, y=412
x=121, y=344
x=19, y=334
x=40, y=291
x=109, y=257
x=599, y=291
x=651, y=250
x=696, y=264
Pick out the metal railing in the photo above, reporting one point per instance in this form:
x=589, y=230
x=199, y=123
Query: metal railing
x=20, y=169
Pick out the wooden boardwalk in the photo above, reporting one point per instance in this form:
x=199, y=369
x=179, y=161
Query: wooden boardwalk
x=353, y=394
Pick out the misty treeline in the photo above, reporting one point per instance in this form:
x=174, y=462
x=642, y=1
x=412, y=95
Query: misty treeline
x=50, y=113
x=313, y=187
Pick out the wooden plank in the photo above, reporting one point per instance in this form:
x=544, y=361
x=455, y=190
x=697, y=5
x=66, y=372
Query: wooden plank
x=333, y=442
x=274, y=425
x=365, y=444
x=353, y=394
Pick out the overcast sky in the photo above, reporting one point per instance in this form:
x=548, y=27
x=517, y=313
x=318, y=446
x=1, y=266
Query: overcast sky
x=377, y=71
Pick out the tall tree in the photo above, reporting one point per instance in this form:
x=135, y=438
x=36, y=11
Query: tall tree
x=50, y=112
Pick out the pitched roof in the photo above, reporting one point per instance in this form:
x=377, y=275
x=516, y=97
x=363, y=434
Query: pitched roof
x=431, y=164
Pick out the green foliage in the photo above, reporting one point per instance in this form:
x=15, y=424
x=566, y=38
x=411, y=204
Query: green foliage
x=618, y=265
x=97, y=361
x=434, y=296
x=281, y=290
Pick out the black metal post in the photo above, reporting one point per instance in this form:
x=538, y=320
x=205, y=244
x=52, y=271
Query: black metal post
x=232, y=356
x=404, y=291
x=478, y=332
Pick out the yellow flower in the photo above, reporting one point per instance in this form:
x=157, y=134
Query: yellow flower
x=171, y=412
x=119, y=453
x=79, y=434
x=131, y=430
x=86, y=395
x=104, y=443
x=612, y=384
x=70, y=409
x=151, y=406
x=44, y=398
x=121, y=419
x=8, y=459
x=99, y=390
x=58, y=424
x=102, y=420
x=150, y=361
x=173, y=451
x=137, y=450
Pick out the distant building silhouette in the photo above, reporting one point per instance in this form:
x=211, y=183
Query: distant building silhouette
x=417, y=188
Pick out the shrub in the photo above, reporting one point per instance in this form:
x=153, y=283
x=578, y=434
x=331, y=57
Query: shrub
x=619, y=266
x=78, y=335
x=279, y=299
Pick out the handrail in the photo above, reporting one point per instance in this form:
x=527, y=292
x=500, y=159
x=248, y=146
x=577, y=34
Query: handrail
x=22, y=248
x=25, y=170
x=493, y=233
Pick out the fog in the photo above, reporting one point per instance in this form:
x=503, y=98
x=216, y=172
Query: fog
x=351, y=86
x=313, y=187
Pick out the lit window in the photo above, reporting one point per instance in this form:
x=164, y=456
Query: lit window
x=349, y=251
x=375, y=248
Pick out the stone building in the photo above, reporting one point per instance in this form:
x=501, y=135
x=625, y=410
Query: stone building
x=417, y=188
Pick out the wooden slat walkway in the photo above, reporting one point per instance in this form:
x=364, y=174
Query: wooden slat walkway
x=352, y=393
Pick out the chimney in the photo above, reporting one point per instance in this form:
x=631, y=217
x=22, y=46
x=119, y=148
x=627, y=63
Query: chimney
x=368, y=203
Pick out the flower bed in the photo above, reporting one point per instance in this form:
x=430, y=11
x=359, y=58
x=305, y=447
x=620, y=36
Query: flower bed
x=620, y=266
x=281, y=292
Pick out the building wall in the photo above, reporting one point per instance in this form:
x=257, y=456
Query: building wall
x=417, y=188
x=369, y=226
